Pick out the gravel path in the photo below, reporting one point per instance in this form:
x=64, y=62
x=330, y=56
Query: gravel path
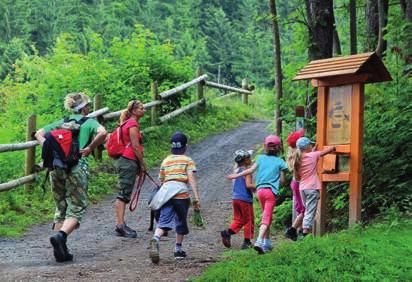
x=100, y=255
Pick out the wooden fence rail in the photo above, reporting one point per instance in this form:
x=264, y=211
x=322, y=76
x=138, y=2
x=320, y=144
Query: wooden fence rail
x=104, y=114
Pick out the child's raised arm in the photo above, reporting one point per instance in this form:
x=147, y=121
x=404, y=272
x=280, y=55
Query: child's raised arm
x=243, y=173
x=327, y=151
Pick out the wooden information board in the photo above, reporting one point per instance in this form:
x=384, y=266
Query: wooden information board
x=338, y=123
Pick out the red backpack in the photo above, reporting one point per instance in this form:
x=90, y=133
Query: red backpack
x=114, y=143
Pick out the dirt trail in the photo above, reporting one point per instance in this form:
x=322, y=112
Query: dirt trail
x=100, y=255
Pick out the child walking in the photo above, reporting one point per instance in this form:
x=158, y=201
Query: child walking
x=292, y=232
x=176, y=172
x=270, y=173
x=304, y=167
x=242, y=202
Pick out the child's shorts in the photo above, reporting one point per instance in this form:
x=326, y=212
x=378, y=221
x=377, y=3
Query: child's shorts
x=173, y=214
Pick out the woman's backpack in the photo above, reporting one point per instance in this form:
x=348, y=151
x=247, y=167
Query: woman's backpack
x=114, y=143
x=61, y=148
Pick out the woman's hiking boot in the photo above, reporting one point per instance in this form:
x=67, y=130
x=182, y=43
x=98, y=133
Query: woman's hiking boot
x=125, y=231
x=291, y=233
x=60, y=251
x=154, y=250
x=225, y=238
x=180, y=255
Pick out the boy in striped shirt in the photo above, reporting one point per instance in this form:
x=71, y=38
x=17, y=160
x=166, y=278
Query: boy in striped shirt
x=176, y=172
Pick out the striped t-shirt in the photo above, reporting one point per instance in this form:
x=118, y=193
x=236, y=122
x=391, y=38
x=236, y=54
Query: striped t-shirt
x=175, y=168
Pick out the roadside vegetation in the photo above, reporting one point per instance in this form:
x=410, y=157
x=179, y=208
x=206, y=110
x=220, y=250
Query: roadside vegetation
x=380, y=252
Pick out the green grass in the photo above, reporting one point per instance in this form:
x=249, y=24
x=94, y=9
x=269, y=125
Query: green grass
x=20, y=210
x=382, y=252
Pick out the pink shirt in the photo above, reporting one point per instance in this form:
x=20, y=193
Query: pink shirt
x=128, y=152
x=308, y=175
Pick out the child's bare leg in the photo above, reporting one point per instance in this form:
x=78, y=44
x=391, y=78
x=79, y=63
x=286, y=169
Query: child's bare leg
x=298, y=221
x=179, y=238
x=262, y=231
x=159, y=232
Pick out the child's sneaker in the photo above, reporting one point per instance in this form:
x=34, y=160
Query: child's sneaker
x=291, y=234
x=180, y=255
x=259, y=247
x=154, y=250
x=246, y=245
x=267, y=245
x=225, y=238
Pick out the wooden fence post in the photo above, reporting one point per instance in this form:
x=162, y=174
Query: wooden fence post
x=200, y=85
x=245, y=97
x=155, y=109
x=97, y=104
x=31, y=152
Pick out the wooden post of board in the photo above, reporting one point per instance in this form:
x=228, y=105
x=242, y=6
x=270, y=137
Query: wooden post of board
x=154, y=109
x=200, y=88
x=97, y=104
x=245, y=85
x=31, y=152
x=356, y=154
x=319, y=224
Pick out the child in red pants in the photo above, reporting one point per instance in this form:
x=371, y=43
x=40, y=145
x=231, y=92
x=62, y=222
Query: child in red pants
x=242, y=201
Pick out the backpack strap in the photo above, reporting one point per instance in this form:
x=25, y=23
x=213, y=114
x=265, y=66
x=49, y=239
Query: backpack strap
x=82, y=120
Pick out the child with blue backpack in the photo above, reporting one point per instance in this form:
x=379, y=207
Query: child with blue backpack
x=242, y=202
x=270, y=174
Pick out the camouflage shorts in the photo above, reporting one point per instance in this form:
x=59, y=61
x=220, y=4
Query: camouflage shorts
x=70, y=192
x=127, y=170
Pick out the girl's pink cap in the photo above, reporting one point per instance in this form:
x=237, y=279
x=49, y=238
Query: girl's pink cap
x=272, y=139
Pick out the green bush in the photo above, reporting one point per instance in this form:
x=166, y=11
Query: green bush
x=381, y=252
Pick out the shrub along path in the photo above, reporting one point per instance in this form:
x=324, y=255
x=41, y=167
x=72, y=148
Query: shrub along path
x=100, y=255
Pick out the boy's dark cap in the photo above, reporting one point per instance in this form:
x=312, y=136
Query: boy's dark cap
x=179, y=141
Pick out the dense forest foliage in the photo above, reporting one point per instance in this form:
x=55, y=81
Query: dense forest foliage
x=117, y=48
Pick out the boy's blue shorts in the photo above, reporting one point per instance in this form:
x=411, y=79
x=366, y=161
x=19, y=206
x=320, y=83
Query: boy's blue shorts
x=173, y=214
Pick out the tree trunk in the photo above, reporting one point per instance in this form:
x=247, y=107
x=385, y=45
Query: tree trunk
x=352, y=24
x=320, y=29
x=278, y=65
x=372, y=26
x=383, y=20
x=408, y=31
x=337, y=50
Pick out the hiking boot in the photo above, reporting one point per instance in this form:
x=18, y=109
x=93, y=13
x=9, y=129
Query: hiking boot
x=60, y=251
x=246, y=245
x=154, y=251
x=180, y=255
x=259, y=247
x=291, y=234
x=125, y=231
x=225, y=238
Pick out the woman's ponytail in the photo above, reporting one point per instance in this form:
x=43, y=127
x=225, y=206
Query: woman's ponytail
x=126, y=114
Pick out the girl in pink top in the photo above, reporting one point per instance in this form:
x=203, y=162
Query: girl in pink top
x=304, y=169
x=130, y=164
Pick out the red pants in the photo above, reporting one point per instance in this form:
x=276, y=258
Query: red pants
x=243, y=216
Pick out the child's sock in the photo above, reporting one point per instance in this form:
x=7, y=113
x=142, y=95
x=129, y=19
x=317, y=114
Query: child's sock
x=259, y=242
x=246, y=241
x=178, y=247
x=231, y=232
x=157, y=238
